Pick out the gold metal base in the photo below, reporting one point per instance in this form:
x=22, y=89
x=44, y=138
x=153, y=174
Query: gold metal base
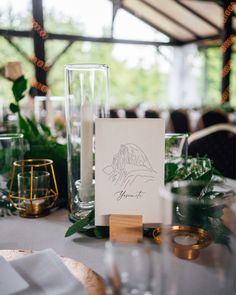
x=35, y=215
x=187, y=252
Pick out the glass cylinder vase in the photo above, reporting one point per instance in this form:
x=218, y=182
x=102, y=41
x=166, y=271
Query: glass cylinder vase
x=11, y=149
x=86, y=98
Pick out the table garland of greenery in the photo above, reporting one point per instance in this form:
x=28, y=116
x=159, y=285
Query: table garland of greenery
x=43, y=145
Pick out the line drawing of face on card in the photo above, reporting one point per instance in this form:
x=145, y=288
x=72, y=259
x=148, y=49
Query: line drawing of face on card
x=129, y=167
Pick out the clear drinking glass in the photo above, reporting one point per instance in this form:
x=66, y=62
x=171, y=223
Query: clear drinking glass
x=40, y=184
x=33, y=189
x=176, y=147
x=128, y=269
x=198, y=239
x=86, y=97
x=11, y=149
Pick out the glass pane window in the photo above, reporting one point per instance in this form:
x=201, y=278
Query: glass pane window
x=15, y=15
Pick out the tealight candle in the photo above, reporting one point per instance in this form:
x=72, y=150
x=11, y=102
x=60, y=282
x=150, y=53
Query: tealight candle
x=185, y=240
x=34, y=207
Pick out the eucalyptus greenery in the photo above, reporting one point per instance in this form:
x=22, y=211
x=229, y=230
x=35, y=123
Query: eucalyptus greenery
x=169, y=142
x=6, y=207
x=200, y=168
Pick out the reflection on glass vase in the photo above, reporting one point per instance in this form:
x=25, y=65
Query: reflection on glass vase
x=176, y=147
x=86, y=98
x=50, y=110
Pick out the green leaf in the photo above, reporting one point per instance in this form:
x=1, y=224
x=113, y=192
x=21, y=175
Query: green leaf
x=101, y=232
x=206, y=176
x=19, y=86
x=46, y=129
x=33, y=127
x=79, y=225
x=216, y=172
x=14, y=108
x=24, y=127
x=170, y=171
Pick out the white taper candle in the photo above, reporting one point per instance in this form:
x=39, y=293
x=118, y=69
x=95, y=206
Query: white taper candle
x=86, y=152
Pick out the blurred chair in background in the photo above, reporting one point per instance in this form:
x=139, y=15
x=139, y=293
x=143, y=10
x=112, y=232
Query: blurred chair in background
x=180, y=121
x=151, y=114
x=114, y=113
x=131, y=113
x=213, y=117
x=218, y=142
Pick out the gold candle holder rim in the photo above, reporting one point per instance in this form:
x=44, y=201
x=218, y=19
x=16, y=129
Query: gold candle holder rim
x=188, y=252
x=33, y=163
x=35, y=175
x=52, y=194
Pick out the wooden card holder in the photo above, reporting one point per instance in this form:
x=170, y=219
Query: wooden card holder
x=126, y=228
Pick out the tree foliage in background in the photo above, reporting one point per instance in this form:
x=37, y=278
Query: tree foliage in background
x=214, y=70
x=128, y=87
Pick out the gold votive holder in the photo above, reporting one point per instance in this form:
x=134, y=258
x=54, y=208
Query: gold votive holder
x=34, y=208
x=185, y=241
x=33, y=188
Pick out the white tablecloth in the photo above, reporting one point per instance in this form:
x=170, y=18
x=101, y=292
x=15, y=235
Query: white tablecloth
x=49, y=231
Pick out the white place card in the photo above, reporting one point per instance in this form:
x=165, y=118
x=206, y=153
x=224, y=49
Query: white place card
x=46, y=274
x=10, y=281
x=129, y=168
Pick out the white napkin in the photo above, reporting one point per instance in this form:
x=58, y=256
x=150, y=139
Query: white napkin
x=46, y=275
x=10, y=281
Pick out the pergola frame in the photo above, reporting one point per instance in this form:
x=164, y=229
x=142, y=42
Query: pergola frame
x=39, y=42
